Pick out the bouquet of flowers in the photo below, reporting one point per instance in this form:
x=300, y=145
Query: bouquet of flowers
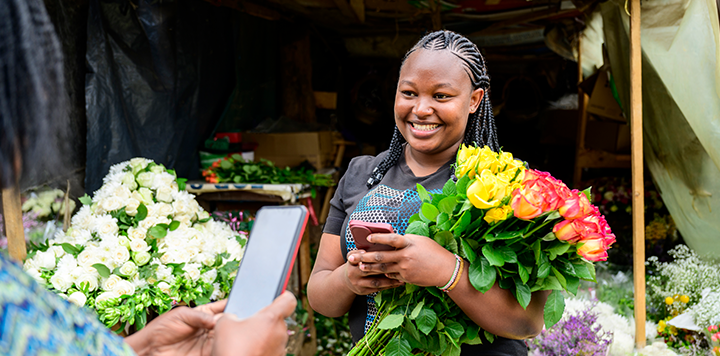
x=517, y=227
x=139, y=245
x=234, y=169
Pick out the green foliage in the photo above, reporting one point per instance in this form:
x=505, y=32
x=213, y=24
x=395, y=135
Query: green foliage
x=234, y=169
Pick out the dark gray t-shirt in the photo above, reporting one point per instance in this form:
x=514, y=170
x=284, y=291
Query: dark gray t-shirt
x=393, y=201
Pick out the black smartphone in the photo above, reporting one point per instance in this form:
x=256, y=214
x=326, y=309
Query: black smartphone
x=269, y=256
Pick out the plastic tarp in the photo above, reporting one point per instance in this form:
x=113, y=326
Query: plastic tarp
x=681, y=107
x=159, y=76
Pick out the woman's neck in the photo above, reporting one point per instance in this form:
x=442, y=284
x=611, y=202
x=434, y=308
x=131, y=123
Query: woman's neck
x=422, y=164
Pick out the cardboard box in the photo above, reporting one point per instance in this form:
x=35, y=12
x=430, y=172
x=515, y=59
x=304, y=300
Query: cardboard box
x=607, y=136
x=291, y=149
x=602, y=102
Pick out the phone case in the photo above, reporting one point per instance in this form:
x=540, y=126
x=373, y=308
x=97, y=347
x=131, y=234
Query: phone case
x=360, y=231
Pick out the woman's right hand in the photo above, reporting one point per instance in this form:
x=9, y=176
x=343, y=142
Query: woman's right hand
x=363, y=282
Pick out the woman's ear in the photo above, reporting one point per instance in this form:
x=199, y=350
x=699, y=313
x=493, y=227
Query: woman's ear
x=475, y=99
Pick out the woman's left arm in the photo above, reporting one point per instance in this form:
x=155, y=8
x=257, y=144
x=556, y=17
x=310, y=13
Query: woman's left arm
x=421, y=261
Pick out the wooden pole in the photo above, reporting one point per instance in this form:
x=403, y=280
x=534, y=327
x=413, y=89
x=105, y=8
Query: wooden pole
x=638, y=202
x=12, y=214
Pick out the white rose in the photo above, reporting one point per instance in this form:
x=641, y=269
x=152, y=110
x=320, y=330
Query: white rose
x=163, y=272
x=131, y=206
x=61, y=282
x=122, y=193
x=217, y=292
x=164, y=194
x=145, y=179
x=123, y=241
x=128, y=269
x=66, y=263
x=192, y=271
x=111, y=282
x=77, y=298
x=124, y=287
x=89, y=269
x=137, y=233
x=36, y=275
x=166, y=258
x=111, y=203
x=146, y=196
x=128, y=180
x=209, y=276
x=147, y=223
x=120, y=255
x=141, y=257
x=76, y=272
x=106, y=296
x=30, y=263
x=203, y=215
x=80, y=236
x=106, y=225
x=137, y=245
x=164, y=287
x=157, y=169
x=45, y=260
x=85, y=256
x=206, y=259
x=163, y=210
x=91, y=281
x=58, y=251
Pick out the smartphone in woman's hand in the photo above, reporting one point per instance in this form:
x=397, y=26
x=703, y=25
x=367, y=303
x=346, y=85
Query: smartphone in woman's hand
x=360, y=231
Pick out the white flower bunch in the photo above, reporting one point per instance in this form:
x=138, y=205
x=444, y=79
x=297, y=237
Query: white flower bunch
x=707, y=311
x=687, y=275
x=140, y=244
x=45, y=203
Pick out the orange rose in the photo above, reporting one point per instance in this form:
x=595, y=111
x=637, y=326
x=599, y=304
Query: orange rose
x=526, y=204
x=568, y=230
x=593, y=249
x=575, y=206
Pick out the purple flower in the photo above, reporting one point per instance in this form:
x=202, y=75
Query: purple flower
x=574, y=335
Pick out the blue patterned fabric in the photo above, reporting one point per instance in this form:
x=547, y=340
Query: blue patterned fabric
x=33, y=321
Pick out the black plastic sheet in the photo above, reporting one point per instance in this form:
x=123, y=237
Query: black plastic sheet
x=159, y=75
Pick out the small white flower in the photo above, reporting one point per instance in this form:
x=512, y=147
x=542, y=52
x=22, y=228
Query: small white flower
x=192, y=271
x=61, y=282
x=111, y=203
x=146, y=196
x=128, y=180
x=120, y=255
x=110, y=283
x=105, y=225
x=209, y=276
x=58, y=251
x=45, y=260
x=217, y=292
x=35, y=274
x=131, y=206
x=88, y=280
x=66, y=263
x=77, y=298
x=145, y=179
x=141, y=257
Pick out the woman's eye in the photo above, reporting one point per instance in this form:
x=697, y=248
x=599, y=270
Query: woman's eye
x=441, y=96
x=407, y=93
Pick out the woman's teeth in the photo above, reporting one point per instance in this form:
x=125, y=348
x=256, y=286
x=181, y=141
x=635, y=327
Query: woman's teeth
x=425, y=127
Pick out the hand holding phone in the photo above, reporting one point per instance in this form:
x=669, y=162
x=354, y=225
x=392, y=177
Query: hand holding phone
x=360, y=230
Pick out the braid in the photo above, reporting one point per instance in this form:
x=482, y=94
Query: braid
x=481, y=128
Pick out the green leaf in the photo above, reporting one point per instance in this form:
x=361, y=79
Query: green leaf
x=442, y=218
x=536, y=250
x=462, y=184
x=505, y=235
x=158, y=231
x=552, y=216
x=499, y=255
x=418, y=228
x=490, y=337
x=572, y=284
x=423, y=193
x=543, y=268
x=452, y=350
x=70, y=249
x=554, y=308
x=588, y=193
x=560, y=277
x=454, y=329
x=462, y=223
x=181, y=183
x=416, y=311
x=558, y=249
x=141, y=212
x=550, y=236
x=446, y=240
x=85, y=199
x=448, y=205
x=481, y=274
x=449, y=188
x=103, y=271
x=398, y=347
x=551, y=283
x=429, y=211
x=523, y=273
x=467, y=251
x=174, y=225
x=225, y=164
x=582, y=271
x=472, y=334
x=426, y=320
x=522, y=293
x=412, y=330
x=391, y=321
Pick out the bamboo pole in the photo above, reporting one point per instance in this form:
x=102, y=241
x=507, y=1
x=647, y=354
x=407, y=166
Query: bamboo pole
x=638, y=202
x=12, y=214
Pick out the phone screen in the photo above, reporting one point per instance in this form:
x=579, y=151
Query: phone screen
x=269, y=256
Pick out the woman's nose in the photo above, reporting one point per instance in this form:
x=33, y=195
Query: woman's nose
x=423, y=107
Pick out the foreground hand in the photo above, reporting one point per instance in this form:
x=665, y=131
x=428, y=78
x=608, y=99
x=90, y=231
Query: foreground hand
x=418, y=260
x=364, y=282
x=181, y=331
x=263, y=334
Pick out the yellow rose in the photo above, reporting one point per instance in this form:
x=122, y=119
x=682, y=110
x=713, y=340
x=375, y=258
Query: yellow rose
x=495, y=215
x=465, y=152
x=487, y=159
x=467, y=167
x=483, y=192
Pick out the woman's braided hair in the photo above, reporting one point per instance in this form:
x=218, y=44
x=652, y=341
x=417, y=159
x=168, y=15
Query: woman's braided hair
x=481, y=124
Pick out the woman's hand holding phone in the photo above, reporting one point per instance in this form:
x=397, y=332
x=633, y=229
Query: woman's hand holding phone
x=362, y=282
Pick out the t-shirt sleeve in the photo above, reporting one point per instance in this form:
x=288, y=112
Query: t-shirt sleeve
x=336, y=214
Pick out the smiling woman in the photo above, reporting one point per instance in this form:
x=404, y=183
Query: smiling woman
x=441, y=101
